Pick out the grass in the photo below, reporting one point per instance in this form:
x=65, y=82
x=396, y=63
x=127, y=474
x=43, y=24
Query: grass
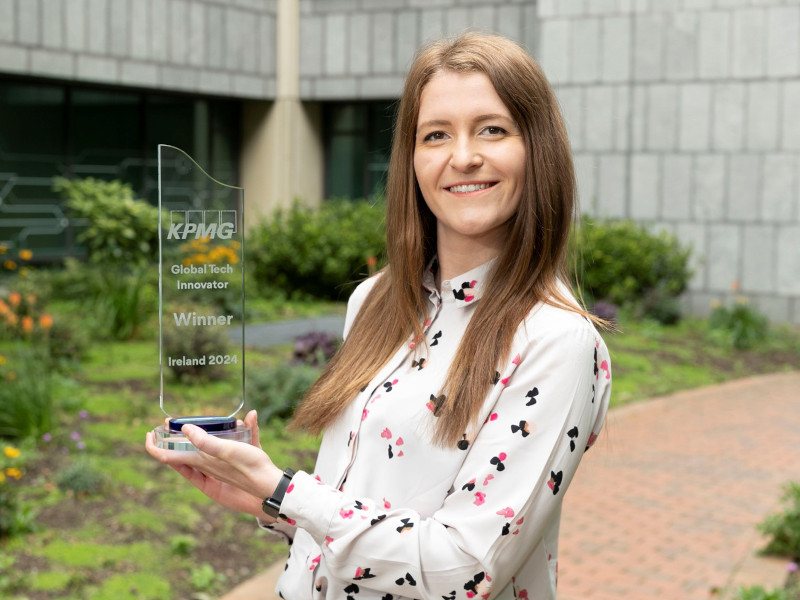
x=129, y=540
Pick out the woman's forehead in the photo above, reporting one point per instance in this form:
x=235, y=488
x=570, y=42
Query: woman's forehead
x=469, y=94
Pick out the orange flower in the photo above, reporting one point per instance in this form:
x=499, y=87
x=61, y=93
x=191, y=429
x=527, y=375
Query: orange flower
x=27, y=324
x=25, y=254
x=10, y=265
x=15, y=298
x=11, y=319
x=4, y=308
x=14, y=472
x=371, y=262
x=45, y=321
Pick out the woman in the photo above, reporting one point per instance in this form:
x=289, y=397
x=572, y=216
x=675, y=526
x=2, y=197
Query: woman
x=470, y=381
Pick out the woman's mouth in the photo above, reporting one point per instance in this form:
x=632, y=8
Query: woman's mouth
x=466, y=188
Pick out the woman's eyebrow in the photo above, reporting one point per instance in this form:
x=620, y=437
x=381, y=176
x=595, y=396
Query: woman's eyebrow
x=478, y=119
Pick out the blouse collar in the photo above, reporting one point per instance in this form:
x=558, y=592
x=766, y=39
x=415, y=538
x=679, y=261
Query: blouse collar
x=464, y=289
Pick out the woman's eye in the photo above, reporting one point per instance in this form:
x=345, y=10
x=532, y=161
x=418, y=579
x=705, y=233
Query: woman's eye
x=433, y=136
x=494, y=130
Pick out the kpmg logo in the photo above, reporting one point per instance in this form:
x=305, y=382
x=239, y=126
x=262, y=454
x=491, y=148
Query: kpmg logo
x=212, y=224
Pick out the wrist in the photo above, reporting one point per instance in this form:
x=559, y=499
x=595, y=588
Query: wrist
x=272, y=503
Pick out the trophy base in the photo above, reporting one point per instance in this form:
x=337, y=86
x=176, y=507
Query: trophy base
x=171, y=438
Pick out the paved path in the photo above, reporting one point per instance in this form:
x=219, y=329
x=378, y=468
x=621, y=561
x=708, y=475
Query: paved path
x=665, y=504
x=264, y=335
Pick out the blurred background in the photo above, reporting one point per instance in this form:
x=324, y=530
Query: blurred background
x=684, y=118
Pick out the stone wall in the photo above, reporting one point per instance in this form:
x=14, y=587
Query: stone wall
x=685, y=115
x=358, y=49
x=220, y=47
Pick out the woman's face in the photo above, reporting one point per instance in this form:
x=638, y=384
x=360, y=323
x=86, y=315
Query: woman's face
x=469, y=158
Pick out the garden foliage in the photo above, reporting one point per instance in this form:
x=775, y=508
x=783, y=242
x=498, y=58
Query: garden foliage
x=621, y=262
x=783, y=529
x=275, y=391
x=321, y=252
x=742, y=326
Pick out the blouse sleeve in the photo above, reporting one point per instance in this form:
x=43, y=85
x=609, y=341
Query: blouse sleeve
x=282, y=528
x=503, y=499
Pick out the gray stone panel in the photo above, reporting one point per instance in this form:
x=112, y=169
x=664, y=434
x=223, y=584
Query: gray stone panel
x=52, y=63
x=622, y=108
x=28, y=22
x=211, y=81
x=601, y=7
x=758, y=259
x=648, y=46
x=248, y=86
x=6, y=20
x=616, y=49
x=611, y=186
x=335, y=58
x=336, y=88
x=140, y=74
x=178, y=34
x=573, y=111
x=358, y=43
x=555, y=50
x=13, y=59
x=776, y=308
x=97, y=40
x=198, y=34
x=119, y=21
x=695, y=116
x=585, y=50
x=267, y=44
x=457, y=20
x=662, y=117
x=728, y=109
x=407, y=30
x=724, y=246
x=431, y=24
x=52, y=23
x=180, y=78
x=140, y=32
x=639, y=117
x=530, y=29
x=748, y=48
x=744, y=183
x=713, y=53
x=586, y=177
x=600, y=122
x=160, y=34
x=311, y=46
x=381, y=87
x=693, y=236
x=484, y=18
x=676, y=187
x=763, y=110
x=681, y=45
x=76, y=20
x=382, y=30
x=779, y=192
x=788, y=276
x=790, y=129
x=783, y=41
x=510, y=21
x=645, y=184
x=708, y=186
x=92, y=68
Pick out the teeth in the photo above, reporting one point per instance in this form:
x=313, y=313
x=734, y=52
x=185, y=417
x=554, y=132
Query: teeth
x=470, y=188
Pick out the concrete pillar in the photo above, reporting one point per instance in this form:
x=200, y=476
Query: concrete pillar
x=282, y=153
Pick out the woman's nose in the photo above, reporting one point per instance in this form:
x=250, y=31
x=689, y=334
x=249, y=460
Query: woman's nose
x=465, y=156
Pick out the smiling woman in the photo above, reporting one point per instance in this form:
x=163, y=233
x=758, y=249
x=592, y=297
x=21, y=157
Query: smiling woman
x=470, y=381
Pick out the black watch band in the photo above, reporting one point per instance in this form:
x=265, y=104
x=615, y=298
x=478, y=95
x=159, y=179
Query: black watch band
x=272, y=505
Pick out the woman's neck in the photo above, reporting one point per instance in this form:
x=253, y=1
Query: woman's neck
x=456, y=256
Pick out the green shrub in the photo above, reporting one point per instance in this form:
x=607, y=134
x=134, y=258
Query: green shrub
x=757, y=592
x=204, y=578
x=120, y=230
x=182, y=545
x=317, y=252
x=68, y=342
x=623, y=263
x=741, y=324
x=14, y=517
x=275, y=391
x=196, y=341
x=82, y=478
x=26, y=393
x=783, y=529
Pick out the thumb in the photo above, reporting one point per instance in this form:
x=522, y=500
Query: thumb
x=251, y=420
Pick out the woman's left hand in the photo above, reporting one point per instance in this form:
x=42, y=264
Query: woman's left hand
x=240, y=465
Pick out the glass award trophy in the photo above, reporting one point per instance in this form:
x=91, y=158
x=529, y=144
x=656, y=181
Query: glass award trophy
x=201, y=301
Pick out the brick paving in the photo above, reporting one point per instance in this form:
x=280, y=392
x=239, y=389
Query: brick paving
x=665, y=504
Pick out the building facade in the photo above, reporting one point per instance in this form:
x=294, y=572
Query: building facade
x=683, y=114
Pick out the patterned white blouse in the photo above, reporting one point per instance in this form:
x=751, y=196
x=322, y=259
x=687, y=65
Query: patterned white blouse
x=387, y=515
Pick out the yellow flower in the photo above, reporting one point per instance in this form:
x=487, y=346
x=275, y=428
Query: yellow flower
x=10, y=265
x=2, y=477
x=14, y=472
x=3, y=360
x=3, y=249
x=11, y=452
x=25, y=254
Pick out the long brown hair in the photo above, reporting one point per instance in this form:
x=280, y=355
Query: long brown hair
x=527, y=270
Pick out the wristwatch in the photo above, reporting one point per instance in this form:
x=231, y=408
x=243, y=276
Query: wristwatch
x=272, y=505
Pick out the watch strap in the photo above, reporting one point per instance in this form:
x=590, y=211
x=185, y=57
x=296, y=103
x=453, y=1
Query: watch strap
x=272, y=505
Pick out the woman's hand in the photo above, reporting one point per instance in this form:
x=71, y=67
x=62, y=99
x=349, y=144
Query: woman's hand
x=236, y=475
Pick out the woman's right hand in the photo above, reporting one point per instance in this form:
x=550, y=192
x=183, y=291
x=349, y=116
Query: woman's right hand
x=222, y=493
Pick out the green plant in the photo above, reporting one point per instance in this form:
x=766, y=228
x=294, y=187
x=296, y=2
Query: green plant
x=316, y=252
x=82, y=478
x=204, y=578
x=743, y=325
x=195, y=342
x=14, y=517
x=623, y=263
x=120, y=229
x=182, y=545
x=757, y=592
x=26, y=392
x=783, y=528
x=68, y=342
x=275, y=391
